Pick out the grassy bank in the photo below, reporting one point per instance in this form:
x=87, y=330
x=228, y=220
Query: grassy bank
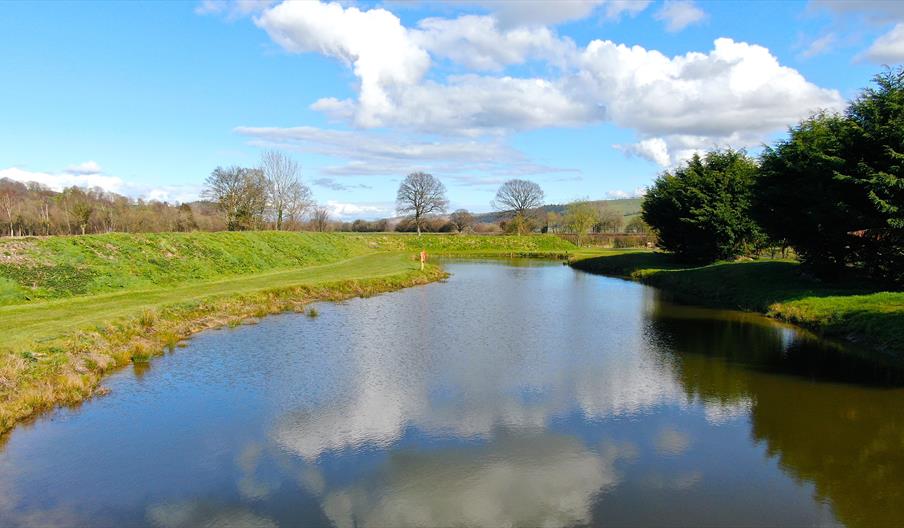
x=852, y=311
x=68, y=369
x=58, y=267
x=74, y=308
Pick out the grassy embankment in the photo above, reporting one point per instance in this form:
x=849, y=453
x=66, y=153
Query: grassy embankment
x=74, y=308
x=853, y=311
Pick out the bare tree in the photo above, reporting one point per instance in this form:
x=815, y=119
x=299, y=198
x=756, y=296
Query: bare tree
x=34, y=209
x=421, y=194
x=287, y=198
x=610, y=220
x=300, y=202
x=462, y=220
x=239, y=193
x=64, y=203
x=519, y=196
x=553, y=221
x=320, y=219
x=7, y=203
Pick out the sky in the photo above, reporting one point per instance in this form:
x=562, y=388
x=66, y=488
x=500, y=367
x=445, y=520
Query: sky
x=590, y=99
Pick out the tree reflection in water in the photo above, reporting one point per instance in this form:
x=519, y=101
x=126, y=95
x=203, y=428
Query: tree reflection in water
x=827, y=414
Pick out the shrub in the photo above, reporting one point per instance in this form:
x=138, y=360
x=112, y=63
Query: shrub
x=701, y=211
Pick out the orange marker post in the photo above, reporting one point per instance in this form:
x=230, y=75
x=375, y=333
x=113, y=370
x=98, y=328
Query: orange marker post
x=423, y=259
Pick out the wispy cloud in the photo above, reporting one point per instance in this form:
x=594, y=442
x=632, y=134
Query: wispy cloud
x=679, y=14
x=330, y=183
x=372, y=153
x=820, y=45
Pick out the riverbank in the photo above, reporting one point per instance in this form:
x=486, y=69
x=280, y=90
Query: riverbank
x=66, y=347
x=856, y=312
x=72, y=309
x=34, y=269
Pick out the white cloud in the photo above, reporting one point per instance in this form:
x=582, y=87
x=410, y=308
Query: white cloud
x=90, y=175
x=478, y=43
x=475, y=105
x=345, y=210
x=736, y=93
x=165, y=193
x=390, y=62
x=621, y=195
x=653, y=149
x=373, y=42
x=88, y=167
x=60, y=180
x=679, y=14
x=889, y=48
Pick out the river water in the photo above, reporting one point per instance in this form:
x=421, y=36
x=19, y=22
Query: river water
x=514, y=394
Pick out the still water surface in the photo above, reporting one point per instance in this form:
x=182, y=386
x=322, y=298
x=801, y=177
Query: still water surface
x=512, y=395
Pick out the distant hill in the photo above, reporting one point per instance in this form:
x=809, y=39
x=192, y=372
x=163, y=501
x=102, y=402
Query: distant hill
x=626, y=206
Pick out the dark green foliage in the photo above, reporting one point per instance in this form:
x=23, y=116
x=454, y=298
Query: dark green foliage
x=876, y=151
x=875, y=157
x=701, y=210
x=50, y=281
x=835, y=188
x=799, y=197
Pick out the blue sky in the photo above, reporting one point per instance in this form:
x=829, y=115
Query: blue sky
x=589, y=99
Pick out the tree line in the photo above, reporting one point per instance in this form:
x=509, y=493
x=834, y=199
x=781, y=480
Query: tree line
x=833, y=190
x=272, y=196
x=422, y=196
x=32, y=209
x=269, y=196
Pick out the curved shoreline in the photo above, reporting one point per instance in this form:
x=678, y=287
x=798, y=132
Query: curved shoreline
x=873, y=319
x=59, y=351
x=69, y=369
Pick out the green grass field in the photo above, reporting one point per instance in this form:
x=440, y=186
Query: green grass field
x=33, y=322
